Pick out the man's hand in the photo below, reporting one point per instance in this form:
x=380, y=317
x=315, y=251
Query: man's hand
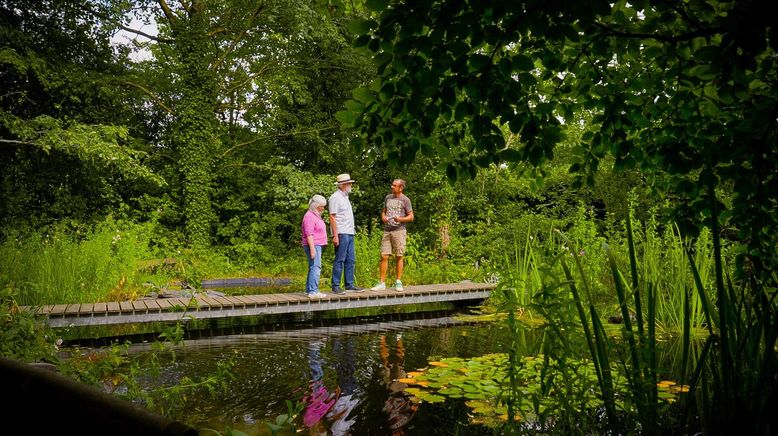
x=335, y=240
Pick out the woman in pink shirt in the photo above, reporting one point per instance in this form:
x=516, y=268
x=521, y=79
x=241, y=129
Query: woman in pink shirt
x=314, y=239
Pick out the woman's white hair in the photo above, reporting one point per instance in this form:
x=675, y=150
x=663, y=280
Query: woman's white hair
x=316, y=201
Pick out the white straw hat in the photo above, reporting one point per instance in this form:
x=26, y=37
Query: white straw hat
x=343, y=178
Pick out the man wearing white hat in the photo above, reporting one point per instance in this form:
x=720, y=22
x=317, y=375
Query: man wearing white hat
x=342, y=226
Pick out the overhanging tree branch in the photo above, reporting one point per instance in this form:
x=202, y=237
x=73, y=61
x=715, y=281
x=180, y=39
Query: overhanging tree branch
x=144, y=34
x=153, y=96
x=17, y=142
x=672, y=39
x=259, y=138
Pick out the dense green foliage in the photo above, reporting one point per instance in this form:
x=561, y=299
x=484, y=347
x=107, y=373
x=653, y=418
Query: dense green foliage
x=514, y=123
x=686, y=92
x=65, y=147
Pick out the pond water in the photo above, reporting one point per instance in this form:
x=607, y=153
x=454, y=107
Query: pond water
x=353, y=367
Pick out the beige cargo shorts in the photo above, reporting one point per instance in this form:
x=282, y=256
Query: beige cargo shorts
x=394, y=242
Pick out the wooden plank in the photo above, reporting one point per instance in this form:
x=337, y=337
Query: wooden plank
x=210, y=302
x=58, y=309
x=287, y=298
x=164, y=304
x=38, y=310
x=177, y=301
x=225, y=302
x=152, y=305
x=65, y=315
x=201, y=304
x=73, y=309
x=244, y=301
x=259, y=299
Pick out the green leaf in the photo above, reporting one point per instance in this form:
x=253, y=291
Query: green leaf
x=382, y=58
x=702, y=72
x=544, y=108
x=361, y=41
x=527, y=80
x=522, y=63
x=451, y=172
x=354, y=106
x=756, y=85
x=551, y=61
x=362, y=27
x=478, y=62
x=510, y=155
x=363, y=95
x=346, y=117
x=376, y=5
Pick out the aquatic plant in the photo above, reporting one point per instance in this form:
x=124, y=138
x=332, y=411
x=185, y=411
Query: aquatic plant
x=480, y=383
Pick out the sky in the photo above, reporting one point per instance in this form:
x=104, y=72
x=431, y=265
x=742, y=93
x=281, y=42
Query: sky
x=123, y=37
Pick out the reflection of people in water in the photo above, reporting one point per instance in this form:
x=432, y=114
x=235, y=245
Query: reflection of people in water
x=324, y=408
x=344, y=351
x=398, y=406
x=318, y=401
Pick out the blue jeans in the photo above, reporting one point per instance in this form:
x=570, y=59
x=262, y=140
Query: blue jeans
x=314, y=269
x=344, y=258
x=314, y=360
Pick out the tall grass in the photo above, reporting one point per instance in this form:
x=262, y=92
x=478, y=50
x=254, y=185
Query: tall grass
x=367, y=246
x=735, y=378
x=664, y=263
x=659, y=279
x=421, y=265
x=62, y=267
x=737, y=372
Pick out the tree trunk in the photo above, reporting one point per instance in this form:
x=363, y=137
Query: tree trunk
x=195, y=128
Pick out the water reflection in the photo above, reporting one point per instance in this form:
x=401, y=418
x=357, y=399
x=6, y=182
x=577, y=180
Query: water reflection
x=331, y=409
x=398, y=406
x=349, y=375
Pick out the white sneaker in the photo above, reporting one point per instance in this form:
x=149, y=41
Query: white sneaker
x=316, y=295
x=398, y=286
x=379, y=287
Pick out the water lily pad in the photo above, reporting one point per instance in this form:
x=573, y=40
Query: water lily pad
x=434, y=398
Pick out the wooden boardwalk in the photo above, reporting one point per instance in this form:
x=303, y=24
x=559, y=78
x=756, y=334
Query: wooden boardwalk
x=205, y=307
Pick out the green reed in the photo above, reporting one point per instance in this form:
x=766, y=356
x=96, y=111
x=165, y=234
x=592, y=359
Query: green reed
x=64, y=267
x=664, y=263
x=737, y=371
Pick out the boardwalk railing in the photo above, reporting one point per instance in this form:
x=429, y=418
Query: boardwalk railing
x=205, y=307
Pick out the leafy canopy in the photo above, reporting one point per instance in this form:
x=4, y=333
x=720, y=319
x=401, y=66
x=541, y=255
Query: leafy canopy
x=686, y=91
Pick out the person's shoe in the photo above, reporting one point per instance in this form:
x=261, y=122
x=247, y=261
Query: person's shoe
x=355, y=289
x=317, y=294
x=338, y=290
x=379, y=287
x=398, y=286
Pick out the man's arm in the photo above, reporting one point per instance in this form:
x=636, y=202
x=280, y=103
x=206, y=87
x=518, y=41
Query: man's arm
x=334, y=228
x=407, y=218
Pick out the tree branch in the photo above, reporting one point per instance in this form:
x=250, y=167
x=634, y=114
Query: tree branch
x=238, y=38
x=169, y=14
x=152, y=95
x=672, y=39
x=144, y=34
x=259, y=138
x=13, y=141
